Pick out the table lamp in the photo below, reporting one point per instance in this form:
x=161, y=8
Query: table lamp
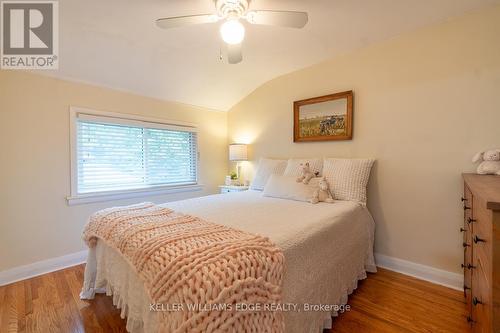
x=238, y=152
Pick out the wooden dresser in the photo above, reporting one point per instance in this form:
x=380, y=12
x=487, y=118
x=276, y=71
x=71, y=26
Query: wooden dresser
x=482, y=251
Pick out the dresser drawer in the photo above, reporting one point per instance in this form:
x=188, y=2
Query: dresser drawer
x=467, y=267
x=467, y=201
x=481, y=219
x=467, y=244
x=481, y=297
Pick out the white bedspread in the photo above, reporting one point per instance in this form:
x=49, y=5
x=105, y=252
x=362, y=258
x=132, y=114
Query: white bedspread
x=327, y=247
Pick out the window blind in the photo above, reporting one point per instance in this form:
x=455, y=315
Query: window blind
x=116, y=154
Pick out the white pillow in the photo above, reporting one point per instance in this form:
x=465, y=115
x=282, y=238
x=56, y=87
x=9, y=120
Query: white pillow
x=266, y=168
x=293, y=166
x=348, y=177
x=285, y=187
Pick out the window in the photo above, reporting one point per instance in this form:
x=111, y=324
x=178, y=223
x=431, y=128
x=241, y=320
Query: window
x=117, y=154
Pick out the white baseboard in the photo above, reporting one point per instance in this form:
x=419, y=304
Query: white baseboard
x=41, y=267
x=423, y=272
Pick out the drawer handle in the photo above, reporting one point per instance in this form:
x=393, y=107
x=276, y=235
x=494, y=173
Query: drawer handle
x=464, y=244
x=465, y=290
x=463, y=199
x=478, y=240
x=468, y=266
x=462, y=229
x=471, y=220
x=475, y=301
x=465, y=207
x=469, y=319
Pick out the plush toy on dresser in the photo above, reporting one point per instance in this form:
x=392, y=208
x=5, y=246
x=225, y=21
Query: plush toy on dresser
x=490, y=164
x=322, y=194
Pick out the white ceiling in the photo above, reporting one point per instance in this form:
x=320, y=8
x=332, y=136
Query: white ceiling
x=115, y=43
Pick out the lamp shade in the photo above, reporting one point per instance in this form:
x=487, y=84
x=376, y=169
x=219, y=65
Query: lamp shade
x=238, y=152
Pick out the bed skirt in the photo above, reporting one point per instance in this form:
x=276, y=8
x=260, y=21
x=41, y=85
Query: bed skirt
x=107, y=272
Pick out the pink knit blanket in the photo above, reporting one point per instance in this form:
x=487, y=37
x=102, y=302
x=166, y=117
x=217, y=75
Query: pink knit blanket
x=207, y=277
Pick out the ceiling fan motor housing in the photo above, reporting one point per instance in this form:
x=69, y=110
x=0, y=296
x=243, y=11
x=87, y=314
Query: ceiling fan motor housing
x=228, y=8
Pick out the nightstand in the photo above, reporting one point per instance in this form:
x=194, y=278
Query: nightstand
x=232, y=188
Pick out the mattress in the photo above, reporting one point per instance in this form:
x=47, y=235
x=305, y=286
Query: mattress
x=327, y=248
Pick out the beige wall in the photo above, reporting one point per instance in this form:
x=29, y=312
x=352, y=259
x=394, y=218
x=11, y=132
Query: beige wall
x=35, y=221
x=425, y=102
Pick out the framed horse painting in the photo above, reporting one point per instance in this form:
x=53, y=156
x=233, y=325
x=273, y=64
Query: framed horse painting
x=323, y=118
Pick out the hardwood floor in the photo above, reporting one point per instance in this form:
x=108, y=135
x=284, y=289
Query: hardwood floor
x=393, y=302
x=385, y=302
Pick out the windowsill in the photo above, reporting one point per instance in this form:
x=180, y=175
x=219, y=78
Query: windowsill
x=127, y=194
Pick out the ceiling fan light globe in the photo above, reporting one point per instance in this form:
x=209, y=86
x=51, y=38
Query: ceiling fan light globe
x=232, y=32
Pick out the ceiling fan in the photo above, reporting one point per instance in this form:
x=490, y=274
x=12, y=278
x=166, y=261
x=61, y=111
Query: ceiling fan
x=232, y=31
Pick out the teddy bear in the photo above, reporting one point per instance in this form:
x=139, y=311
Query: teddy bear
x=322, y=193
x=490, y=164
x=306, y=174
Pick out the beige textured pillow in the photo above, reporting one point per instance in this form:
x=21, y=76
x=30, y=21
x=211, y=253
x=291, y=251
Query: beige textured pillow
x=293, y=166
x=348, y=178
x=266, y=168
x=285, y=187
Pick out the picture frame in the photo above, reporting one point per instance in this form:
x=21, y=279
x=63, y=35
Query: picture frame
x=324, y=118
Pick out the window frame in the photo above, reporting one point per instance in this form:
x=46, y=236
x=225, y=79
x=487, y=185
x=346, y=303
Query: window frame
x=81, y=198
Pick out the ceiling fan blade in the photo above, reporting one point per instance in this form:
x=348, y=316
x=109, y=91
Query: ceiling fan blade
x=278, y=18
x=234, y=54
x=182, y=21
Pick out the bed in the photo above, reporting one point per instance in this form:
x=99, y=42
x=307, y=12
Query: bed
x=327, y=249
